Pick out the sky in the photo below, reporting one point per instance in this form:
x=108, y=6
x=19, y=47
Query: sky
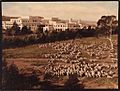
x=84, y=10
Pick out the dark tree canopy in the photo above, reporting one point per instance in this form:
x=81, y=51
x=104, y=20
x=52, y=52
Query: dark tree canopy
x=106, y=25
x=15, y=29
x=40, y=29
x=26, y=30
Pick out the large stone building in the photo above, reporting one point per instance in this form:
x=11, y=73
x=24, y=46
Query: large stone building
x=7, y=22
x=25, y=22
x=33, y=22
x=58, y=25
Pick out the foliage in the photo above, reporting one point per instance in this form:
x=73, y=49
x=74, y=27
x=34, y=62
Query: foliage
x=73, y=83
x=25, y=30
x=39, y=29
x=107, y=25
x=15, y=29
x=12, y=79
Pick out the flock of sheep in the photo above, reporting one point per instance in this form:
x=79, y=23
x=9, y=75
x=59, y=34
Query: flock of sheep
x=85, y=58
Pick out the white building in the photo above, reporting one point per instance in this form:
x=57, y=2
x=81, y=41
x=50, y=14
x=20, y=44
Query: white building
x=25, y=22
x=7, y=22
x=35, y=22
x=59, y=25
x=48, y=28
x=18, y=20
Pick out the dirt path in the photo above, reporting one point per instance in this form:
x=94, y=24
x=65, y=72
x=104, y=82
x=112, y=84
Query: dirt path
x=93, y=84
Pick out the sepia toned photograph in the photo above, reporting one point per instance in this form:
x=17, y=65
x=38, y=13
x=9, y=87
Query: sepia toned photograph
x=60, y=45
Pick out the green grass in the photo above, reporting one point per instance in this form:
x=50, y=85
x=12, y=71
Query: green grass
x=33, y=51
x=94, y=39
x=28, y=51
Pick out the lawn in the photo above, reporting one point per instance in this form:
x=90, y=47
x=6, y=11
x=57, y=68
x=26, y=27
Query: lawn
x=33, y=51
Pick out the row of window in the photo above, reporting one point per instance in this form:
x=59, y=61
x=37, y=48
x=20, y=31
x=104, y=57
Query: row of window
x=74, y=26
x=9, y=24
x=25, y=21
x=16, y=21
x=34, y=20
x=59, y=26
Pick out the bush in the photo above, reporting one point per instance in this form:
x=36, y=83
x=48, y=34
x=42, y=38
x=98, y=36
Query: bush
x=73, y=83
x=10, y=41
x=22, y=40
x=12, y=79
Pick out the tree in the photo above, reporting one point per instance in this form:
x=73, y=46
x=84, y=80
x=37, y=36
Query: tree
x=15, y=29
x=8, y=32
x=26, y=30
x=73, y=83
x=10, y=75
x=40, y=29
x=106, y=25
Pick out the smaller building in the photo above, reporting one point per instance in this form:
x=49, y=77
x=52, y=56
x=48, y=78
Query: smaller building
x=7, y=22
x=35, y=22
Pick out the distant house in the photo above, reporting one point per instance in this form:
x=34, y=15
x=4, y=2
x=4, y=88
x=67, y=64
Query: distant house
x=35, y=22
x=58, y=24
x=7, y=22
x=25, y=22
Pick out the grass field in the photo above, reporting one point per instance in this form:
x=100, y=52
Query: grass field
x=34, y=51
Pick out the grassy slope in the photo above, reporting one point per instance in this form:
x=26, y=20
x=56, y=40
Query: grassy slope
x=25, y=52
x=35, y=52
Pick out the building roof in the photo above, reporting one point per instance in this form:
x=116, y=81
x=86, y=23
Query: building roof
x=14, y=17
x=7, y=18
x=36, y=17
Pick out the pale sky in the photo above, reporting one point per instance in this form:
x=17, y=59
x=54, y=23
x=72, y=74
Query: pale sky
x=84, y=10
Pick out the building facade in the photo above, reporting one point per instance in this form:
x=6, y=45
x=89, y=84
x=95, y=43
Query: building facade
x=33, y=22
x=7, y=22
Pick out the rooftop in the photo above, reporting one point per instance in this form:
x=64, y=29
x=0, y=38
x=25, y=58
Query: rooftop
x=7, y=18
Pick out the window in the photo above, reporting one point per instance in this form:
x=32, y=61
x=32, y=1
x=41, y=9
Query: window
x=34, y=20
